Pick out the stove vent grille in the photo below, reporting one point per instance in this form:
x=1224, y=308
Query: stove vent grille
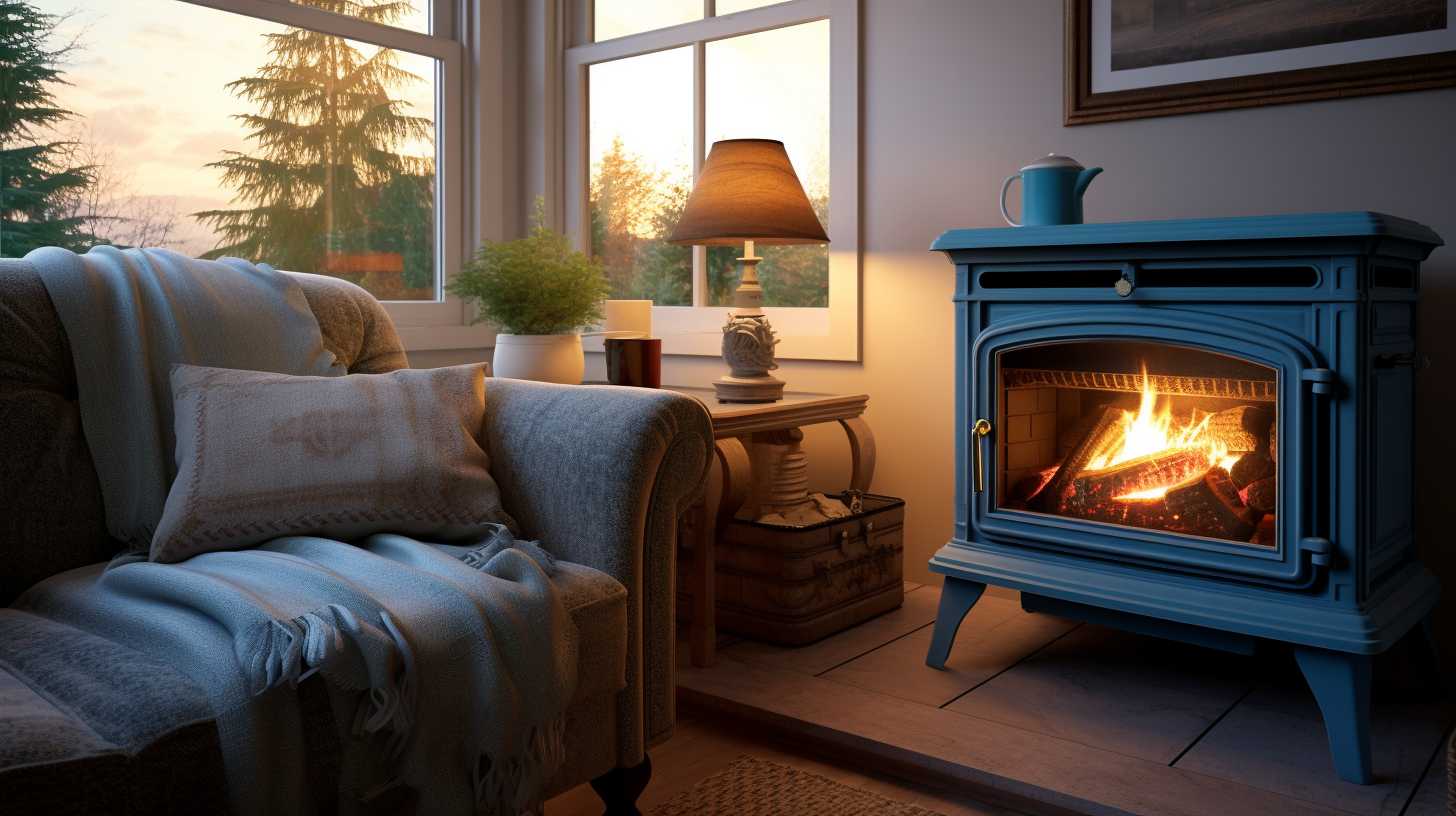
x=1162, y=384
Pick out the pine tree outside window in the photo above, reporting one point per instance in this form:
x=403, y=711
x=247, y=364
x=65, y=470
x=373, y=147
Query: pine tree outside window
x=649, y=85
x=323, y=136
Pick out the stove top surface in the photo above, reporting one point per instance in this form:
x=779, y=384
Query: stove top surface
x=1249, y=228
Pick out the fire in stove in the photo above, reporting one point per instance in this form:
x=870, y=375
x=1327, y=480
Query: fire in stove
x=1195, y=455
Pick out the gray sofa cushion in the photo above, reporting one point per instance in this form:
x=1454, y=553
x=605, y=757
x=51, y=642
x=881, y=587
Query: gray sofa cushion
x=91, y=726
x=53, y=519
x=49, y=760
x=598, y=607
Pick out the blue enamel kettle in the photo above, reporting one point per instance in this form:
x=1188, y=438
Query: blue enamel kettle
x=1051, y=191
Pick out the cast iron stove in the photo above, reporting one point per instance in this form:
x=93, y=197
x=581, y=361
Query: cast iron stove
x=1196, y=429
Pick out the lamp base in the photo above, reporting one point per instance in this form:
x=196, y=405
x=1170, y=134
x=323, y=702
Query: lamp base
x=759, y=388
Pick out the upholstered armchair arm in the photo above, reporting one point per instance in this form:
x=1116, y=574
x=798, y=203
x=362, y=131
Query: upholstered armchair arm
x=601, y=475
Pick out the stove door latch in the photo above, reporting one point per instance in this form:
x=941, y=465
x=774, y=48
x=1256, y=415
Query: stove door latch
x=981, y=429
x=1321, y=380
x=1320, y=550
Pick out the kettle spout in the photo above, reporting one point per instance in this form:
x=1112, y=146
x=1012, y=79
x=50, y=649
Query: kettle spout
x=1084, y=178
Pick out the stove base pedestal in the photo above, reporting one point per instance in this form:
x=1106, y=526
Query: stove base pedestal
x=1334, y=644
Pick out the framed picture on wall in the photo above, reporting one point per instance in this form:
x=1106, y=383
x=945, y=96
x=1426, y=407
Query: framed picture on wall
x=1130, y=59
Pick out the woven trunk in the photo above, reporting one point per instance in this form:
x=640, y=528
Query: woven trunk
x=796, y=585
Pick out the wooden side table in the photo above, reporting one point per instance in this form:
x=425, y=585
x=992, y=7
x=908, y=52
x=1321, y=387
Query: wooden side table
x=732, y=483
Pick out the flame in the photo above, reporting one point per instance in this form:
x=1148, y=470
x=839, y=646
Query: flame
x=1153, y=429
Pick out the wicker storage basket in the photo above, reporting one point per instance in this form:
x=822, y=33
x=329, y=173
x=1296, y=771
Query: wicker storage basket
x=795, y=585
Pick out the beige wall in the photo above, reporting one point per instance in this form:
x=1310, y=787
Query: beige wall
x=959, y=93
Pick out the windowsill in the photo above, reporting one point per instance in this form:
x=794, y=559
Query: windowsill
x=804, y=333
x=445, y=338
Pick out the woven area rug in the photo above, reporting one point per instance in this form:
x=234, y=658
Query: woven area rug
x=757, y=787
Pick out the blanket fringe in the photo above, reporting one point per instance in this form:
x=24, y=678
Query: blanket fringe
x=326, y=640
x=500, y=539
x=515, y=784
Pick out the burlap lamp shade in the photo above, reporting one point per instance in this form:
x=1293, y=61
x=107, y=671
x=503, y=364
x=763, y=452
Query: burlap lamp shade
x=747, y=191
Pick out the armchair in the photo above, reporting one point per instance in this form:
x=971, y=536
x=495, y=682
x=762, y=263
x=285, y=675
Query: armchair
x=599, y=475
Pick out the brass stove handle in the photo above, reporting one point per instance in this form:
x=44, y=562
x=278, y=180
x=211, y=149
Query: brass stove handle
x=982, y=429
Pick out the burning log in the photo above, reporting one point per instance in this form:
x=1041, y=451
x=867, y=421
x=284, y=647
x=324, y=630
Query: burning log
x=1242, y=429
x=1250, y=468
x=1210, y=506
x=1093, y=488
x=1027, y=487
x=1265, y=535
x=1102, y=434
x=1263, y=495
x=1148, y=513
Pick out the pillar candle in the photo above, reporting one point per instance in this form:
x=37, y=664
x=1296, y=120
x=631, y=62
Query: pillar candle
x=628, y=318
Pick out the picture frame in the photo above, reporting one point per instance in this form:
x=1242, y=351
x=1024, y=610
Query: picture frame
x=1086, y=102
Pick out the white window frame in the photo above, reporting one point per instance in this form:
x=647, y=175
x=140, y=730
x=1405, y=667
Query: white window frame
x=822, y=333
x=445, y=322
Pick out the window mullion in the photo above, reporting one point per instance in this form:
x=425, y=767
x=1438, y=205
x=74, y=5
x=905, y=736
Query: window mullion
x=700, y=149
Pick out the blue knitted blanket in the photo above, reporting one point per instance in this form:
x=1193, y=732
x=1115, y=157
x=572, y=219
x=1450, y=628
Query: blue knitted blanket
x=450, y=667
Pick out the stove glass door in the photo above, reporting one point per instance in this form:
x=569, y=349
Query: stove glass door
x=1139, y=434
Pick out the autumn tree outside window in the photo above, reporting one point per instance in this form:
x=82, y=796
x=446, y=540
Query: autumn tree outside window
x=649, y=86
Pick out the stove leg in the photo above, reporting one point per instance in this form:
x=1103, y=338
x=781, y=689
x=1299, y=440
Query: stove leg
x=1341, y=685
x=957, y=596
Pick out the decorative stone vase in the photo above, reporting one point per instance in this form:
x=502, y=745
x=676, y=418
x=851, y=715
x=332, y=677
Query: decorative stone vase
x=555, y=358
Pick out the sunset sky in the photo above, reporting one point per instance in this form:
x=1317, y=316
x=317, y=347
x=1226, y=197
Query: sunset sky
x=147, y=83
x=148, y=80
x=769, y=85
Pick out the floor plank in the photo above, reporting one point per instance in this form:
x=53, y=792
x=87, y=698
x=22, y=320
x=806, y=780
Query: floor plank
x=994, y=636
x=991, y=759
x=1431, y=797
x=917, y=611
x=1132, y=694
x=1275, y=739
x=702, y=746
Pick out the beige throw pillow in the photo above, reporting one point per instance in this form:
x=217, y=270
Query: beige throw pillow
x=266, y=455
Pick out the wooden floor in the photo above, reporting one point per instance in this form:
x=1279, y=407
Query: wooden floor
x=1041, y=715
x=703, y=744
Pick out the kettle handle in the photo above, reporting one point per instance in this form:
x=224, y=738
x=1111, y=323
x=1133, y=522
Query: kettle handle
x=1006, y=185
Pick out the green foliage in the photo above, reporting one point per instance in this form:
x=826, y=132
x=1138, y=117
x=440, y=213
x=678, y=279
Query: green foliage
x=327, y=175
x=796, y=275
x=405, y=218
x=34, y=177
x=534, y=285
x=633, y=210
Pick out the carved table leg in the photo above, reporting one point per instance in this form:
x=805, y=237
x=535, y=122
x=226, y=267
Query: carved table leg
x=861, y=452
x=780, y=472
x=728, y=482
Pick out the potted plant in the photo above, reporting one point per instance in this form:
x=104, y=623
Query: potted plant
x=540, y=293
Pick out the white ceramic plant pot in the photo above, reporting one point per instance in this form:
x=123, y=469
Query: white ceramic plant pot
x=555, y=358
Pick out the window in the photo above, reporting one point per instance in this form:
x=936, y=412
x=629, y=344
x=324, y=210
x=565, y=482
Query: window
x=662, y=80
x=307, y=134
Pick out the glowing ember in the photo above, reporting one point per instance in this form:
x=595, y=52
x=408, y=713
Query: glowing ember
x=1153, y=430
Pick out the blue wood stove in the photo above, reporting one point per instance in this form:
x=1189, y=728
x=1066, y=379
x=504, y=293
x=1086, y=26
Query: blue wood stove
x=1197, y=429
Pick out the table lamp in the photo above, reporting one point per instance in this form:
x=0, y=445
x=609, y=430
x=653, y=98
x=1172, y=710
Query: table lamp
x=747, y=193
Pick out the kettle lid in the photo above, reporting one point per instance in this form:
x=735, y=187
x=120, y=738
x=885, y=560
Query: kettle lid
x=1054, y=160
